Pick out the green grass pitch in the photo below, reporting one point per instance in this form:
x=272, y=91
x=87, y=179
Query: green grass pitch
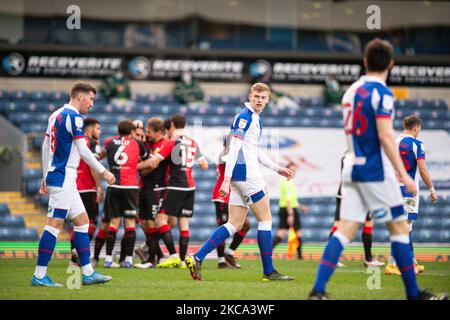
x=348, y=283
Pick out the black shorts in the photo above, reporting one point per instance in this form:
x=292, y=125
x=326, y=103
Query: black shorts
x=337, y=215
x=122, y=202
x=179, y=203
x=283, y=214
x=221, y=212
x=150, y=203
x=90, y=204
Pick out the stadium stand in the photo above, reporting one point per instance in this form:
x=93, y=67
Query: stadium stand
x=30, y=110
x=12, y=227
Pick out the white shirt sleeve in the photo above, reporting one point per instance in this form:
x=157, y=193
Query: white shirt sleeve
x=45, y=155
x=266, y=161
x=88, y=156
x=232, y=155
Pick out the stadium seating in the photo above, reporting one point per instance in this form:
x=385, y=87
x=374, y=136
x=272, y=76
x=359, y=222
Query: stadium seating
x=12, y=228
x=30, y=111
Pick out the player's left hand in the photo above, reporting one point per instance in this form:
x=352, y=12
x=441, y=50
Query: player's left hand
x=304, y=209
x=285, y=172
x=224, y=188
x=43, y=189
x=109, y=177
x=433, y=197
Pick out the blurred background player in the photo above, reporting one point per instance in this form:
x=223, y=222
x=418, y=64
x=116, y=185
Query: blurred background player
x=116, y=88
x=226, y=259
x=188, y=90
x=367, y=230
x=138, y=132
x=123, y=153
x=289, y=215
x=143, y=250
x=412, y=152
x=369, y=181
x=154, y=191
x=63, y=145
x=247, y=186
x=181, y=151
x=89, y=182
x=168, y=128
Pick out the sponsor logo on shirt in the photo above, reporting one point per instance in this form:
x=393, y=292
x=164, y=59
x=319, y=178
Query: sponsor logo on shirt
x=242, y=123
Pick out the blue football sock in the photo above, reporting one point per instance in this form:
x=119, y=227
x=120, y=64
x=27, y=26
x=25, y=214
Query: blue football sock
x=46, y=247
x=265, y=248
x=218, y=236
x=402, y=255
x=329, y=260
x=81, y=241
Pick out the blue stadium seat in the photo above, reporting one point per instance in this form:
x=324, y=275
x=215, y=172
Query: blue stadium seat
x=205, y=175
x=18, y=234
x=32, y=186
x=16, y=106
x=4, y=94
x=315, y=234
x=206, y=221
x=9, y=221
x=19, y=95
x=323, y=200
x=31, y=174
x=310, y=221
x=200, y=234
x=444, y=236
x=43, y=201
x=4, y=209
x=429, y=222
x=203, y=207
x=205, y=185
x=381, y=235
x=39, y=95
x=202, y=196
x=426, y=235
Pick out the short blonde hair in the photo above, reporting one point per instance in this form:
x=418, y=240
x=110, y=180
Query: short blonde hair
x=260, y=87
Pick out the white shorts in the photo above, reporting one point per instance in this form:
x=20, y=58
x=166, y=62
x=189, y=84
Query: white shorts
x=383, y=200
x=244, y=193
x=64, y=202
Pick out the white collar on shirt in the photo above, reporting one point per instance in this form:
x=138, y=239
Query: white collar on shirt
x=406, y=135
x=373, y=79
x=248, y=105
x=68, y=106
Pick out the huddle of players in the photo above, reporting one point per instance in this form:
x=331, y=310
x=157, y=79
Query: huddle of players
x=163, y=156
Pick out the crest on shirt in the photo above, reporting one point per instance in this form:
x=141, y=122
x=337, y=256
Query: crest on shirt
x=79, y=122
x=422, y=146
x=242, y=123
x=388, y=103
